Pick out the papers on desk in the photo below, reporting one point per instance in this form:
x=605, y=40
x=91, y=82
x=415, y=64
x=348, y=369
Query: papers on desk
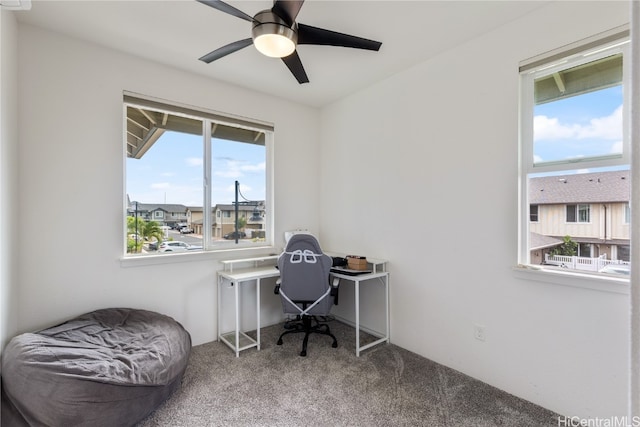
x=348, y=271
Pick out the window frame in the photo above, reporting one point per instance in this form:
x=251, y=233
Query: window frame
x=627, y=214
x=208, y=117
x=616, y=41
x=585, y=245
x=577, y=209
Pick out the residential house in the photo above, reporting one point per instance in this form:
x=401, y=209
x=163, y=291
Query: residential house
x=224, y=222
x=252, y=212
x=591, y=208
x=163, y=214
x=194, y=218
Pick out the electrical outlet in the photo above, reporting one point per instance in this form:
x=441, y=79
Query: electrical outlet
x=479, y=332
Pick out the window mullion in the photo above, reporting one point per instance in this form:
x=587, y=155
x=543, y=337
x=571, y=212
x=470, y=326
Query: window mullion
x=207, y=220
x=525, y=165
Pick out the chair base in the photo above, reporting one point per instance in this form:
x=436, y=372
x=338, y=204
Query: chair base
x=306, y=327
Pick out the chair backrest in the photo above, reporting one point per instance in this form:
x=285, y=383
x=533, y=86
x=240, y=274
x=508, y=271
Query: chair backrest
x=304, y=275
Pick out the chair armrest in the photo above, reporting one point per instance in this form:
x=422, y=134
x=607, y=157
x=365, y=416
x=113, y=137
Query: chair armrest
x=276, y=290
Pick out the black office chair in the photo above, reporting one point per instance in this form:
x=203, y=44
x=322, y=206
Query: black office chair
x=305, y=289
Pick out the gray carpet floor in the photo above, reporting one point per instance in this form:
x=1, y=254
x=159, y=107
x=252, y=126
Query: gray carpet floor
x=385, y=386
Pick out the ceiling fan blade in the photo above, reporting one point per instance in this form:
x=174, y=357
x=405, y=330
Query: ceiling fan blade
x=226, y=50
x=287, y=9
x=314, y=35
x=294, y=65
x=226, y=8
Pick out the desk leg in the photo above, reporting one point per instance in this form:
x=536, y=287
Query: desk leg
x=386, y=306
x=237, y=295
x=258, y=312
x=357, y=297
x=385, y=338
x=220, y=283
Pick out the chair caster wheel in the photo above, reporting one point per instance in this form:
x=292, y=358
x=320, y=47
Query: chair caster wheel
x=303, y=353
x=334, y=345
x=279, y=342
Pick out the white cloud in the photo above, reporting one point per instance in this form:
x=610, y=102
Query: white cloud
x=607, y=128
x=230, y=173
x=169, y=174
x=243, y=188
x=194, y=161
x=616, y=147
x=260, y=167
x=160, y=185
x=235, y=169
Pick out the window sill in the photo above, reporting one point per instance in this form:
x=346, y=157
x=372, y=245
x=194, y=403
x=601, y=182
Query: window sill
x=219, y=255
x=574, y=279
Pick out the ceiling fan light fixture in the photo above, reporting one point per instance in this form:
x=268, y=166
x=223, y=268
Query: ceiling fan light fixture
x=274, y=45
x=272, y=37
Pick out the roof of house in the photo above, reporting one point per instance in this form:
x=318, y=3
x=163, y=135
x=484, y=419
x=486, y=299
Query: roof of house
x=148, y=207
x=241, y=207
x=540, y=241
x=595, y=187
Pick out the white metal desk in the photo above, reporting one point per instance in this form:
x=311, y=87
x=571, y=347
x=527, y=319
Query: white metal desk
x=237, y=340
x=384, y=276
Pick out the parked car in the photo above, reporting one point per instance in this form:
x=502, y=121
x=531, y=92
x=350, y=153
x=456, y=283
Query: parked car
x=174, y=246
x=186, y=230
x=624, y=269
x=232, y=235
x=153, y=246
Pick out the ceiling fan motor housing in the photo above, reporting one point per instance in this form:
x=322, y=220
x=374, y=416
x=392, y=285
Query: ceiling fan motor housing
x=267, y=24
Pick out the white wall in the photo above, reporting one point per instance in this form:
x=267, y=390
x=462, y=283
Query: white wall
x=8, y=174
x=71, y=182
x=427, y=166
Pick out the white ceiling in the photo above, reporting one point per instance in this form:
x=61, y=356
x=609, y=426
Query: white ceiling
x=178, y=32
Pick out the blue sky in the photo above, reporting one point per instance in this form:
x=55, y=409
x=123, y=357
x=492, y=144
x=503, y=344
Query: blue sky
x=579, y=126
x=172, y=171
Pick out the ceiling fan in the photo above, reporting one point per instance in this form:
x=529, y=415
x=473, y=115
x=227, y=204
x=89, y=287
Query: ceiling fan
x=275, y=33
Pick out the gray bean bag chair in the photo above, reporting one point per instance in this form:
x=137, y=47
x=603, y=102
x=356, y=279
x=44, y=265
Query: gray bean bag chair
x=110, y=367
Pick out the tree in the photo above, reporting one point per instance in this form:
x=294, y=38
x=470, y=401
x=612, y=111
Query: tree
x=134, y=234
x=145, y=232
x=152, y=229
x=568, y=248
x=241, y=223
x=131, y=225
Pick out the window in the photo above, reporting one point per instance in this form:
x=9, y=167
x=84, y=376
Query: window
x=623, y=253
x=578, y=213
x=574, y=154
x=584, y=250
x=627, y=213
x=183, y=164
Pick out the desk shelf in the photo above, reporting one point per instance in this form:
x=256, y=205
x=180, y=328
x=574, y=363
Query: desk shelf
x=245, y=341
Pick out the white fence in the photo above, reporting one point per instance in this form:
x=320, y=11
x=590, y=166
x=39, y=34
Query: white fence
x=580, y=263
